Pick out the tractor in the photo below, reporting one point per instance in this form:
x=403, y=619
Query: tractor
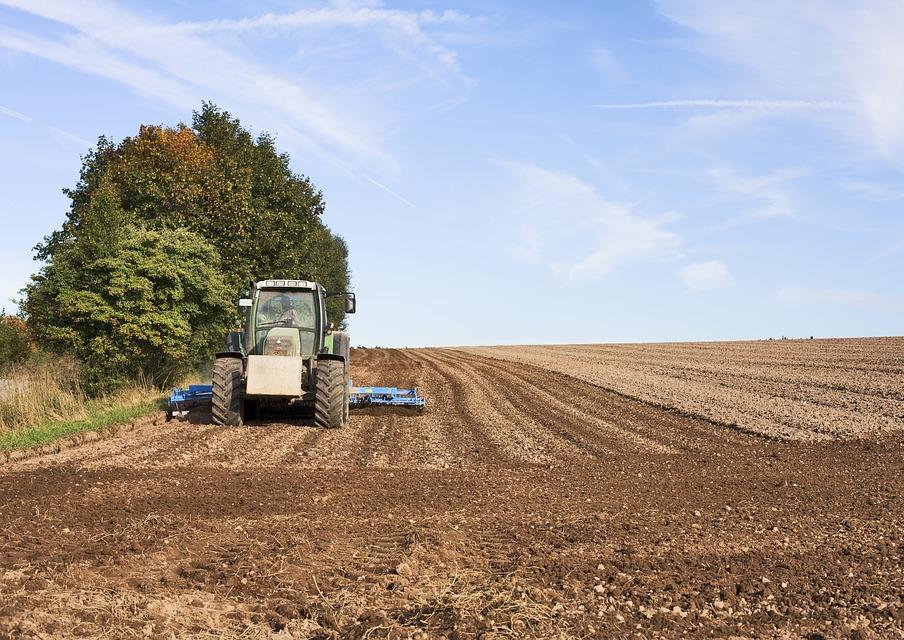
x=286, y=354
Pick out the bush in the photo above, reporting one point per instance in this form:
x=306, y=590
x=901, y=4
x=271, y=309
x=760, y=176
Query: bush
x=15, y=343
x=131, y=303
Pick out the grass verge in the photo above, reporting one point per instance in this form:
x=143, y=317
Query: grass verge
x=41, y=400
x=99, y=418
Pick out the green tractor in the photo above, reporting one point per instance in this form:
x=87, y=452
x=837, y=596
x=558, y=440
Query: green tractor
x=286, y=355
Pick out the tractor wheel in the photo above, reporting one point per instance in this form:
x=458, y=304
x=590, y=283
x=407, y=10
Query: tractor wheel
x=330, y=395
x=227, y=392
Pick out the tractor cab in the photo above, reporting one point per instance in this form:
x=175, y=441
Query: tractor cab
x=285, y=320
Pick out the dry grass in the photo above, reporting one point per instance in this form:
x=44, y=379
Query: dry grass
x=46, y=390
x=41, y=390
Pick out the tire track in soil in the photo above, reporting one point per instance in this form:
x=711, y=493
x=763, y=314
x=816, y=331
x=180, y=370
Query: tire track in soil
x=538, y=397
x=270, y=444
x=534, y=403
x=648, y=426
x=409, y=439
x=516, y=438
x=446, y=422
x=162, y=452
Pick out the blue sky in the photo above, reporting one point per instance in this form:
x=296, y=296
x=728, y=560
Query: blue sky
x=516, y=172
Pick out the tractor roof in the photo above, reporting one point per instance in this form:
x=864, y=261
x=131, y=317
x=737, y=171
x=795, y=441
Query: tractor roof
x=286, y=284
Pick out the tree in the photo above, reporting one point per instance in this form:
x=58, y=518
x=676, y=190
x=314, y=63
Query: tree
x=130, y=301
x=164, y=231
x=216, y=179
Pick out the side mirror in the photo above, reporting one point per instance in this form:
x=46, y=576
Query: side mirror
x=245, y=302
x=350, y=303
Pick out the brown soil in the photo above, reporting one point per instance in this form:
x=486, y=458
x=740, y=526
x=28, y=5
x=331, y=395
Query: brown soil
x=522, y=503
x=789, y=389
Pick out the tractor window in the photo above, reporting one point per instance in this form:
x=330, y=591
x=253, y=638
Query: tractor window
x=287, y=314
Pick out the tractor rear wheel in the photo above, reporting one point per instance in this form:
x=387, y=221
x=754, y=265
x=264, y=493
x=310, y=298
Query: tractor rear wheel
x=330, y=394
x=227, y=392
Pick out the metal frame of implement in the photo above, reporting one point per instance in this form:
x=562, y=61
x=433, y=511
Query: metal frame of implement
x=181, y=401
x=384, y=396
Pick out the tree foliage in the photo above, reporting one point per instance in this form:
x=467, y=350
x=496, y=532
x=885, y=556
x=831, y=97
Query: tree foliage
x=138, y=302
x=216, y=179
x=164, y=229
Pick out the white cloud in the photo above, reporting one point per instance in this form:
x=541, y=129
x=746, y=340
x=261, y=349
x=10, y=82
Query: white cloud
x=408, y=25
x=769, y=189
x=848, y=52
x=706, y=276
x=185, y=63
x=565, y=223
x=807, y=295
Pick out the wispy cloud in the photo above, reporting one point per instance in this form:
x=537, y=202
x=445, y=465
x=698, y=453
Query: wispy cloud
x=872, y=191
x=890, y=250
x=409, y=25
x=57, y=134
x=706, y=276
x=850, y=51
x=734, y=104
x=183, y=63
x=395, y=195
x=14, y=114
x=61, y=135
x=565, y=223
x=770, y=190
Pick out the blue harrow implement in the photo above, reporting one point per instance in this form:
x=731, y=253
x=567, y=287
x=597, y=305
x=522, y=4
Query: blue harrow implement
x=181, y=401
x=384, y=396
x=195, y=396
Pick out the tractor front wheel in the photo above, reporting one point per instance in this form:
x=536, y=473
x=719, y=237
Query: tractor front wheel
x=227, y=392
x=330, y=395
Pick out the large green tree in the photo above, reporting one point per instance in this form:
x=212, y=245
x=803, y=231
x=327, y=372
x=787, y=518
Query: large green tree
x=214, y=178
x=164, y=231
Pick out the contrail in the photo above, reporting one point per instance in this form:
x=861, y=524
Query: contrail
x=391, y=192
x=14, y=114
x=733, y=104
x=60, y=133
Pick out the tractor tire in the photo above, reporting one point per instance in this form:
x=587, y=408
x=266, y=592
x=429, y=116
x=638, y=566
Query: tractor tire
x=330, y=394
x=227, y=406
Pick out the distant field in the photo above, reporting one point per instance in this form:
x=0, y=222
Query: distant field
x=792, y=389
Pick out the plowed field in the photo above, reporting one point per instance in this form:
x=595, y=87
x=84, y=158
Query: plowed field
x=522, y=503
x=791, y=389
